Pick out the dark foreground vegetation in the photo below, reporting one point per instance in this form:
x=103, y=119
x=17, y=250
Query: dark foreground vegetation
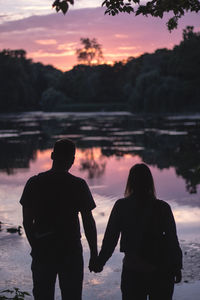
x=165, y=81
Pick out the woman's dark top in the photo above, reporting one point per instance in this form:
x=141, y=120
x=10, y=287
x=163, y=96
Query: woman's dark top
x=148, y=235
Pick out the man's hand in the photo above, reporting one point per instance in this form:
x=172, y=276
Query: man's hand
x=91, y=236
x=94, y=265
x=178, y=276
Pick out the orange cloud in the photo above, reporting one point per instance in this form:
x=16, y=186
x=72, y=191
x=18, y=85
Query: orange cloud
x=46, y=42
x=41, y=53
x=121, y=36
x=67, y=46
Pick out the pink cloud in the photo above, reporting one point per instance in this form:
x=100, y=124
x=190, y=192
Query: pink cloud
x=46, y=42
x=53, y=39
x=121, y=36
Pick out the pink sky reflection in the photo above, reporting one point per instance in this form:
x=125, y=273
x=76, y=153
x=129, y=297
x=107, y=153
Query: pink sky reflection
x=106, y=188
x=111, y=184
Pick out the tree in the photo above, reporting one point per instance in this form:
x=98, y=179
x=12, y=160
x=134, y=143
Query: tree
x=90, y=53
x=19, y=53
x=53, y=100
x=23, y=82
x=155, y=8
x=188, y=33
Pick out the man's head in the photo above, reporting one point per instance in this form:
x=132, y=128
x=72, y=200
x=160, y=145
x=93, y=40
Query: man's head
x=63, y=153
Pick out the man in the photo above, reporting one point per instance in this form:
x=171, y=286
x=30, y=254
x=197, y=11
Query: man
x=51, y=202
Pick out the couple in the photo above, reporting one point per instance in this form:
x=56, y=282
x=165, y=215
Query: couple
x=51, y=203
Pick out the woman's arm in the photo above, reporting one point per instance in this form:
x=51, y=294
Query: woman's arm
x=173, y=243
x=111, y=236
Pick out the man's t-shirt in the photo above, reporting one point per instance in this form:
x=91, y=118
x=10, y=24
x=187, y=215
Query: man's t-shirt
x=56, y=198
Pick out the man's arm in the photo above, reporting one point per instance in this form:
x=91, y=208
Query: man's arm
x=91, y=235
x=28, y=222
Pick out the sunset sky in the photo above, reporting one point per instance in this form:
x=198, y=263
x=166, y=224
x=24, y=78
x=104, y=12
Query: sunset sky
x=53, y=38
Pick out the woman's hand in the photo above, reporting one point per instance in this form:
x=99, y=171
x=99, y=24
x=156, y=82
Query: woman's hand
x=95, y=266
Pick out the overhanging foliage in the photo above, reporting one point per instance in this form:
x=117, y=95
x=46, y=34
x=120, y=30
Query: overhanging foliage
x=155, y=8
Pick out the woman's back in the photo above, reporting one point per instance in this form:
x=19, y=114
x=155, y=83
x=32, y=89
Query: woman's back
x=153, y=258
x=148, y=233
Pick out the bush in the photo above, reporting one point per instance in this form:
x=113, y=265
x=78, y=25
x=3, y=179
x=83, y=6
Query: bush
x=16, y=294
x=53, y=100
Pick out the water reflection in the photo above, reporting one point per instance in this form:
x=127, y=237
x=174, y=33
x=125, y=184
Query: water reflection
x=163, y=142
x=94, y=163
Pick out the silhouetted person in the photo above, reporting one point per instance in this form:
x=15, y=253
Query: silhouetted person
x=51, y=202
x=153, y=258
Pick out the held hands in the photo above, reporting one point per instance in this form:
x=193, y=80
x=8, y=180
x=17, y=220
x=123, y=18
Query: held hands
x=94, y=265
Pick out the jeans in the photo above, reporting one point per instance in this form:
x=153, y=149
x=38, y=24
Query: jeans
x=70, y=275
x=137, y=286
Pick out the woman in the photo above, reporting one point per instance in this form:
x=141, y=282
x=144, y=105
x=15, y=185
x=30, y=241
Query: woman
x=153, y=258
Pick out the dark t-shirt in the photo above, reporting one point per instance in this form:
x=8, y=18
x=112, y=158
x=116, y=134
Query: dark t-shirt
x=56, y=198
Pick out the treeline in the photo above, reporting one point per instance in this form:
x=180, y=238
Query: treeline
x=165, y=81
x=22, y=82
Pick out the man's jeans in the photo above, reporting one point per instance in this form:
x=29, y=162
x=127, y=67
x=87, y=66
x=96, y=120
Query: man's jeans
x=70, y=275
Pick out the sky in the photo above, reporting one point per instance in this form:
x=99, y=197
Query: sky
x=52, y=38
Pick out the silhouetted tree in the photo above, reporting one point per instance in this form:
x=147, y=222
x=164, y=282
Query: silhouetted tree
x=53, y=100
x=22, y=81
x=90, y=53
x=14, y=53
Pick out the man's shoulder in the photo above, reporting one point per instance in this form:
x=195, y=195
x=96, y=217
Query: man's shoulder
x=76, y=179
x=37, y=178
x=29, y=191
x=49, y=175
x=32, y=180
x=39, y=175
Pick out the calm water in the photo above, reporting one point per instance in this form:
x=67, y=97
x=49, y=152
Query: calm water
x=108, y=144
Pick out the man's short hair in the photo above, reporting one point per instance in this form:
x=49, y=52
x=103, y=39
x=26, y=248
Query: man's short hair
x=64, y=149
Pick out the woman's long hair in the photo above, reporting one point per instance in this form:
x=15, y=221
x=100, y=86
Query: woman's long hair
x=140, y=182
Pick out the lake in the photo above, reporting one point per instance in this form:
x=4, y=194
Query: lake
x=108, y=144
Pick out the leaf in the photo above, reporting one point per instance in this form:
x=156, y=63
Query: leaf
x=172, y=23
x=7, y=291
x=64, y=6
x=55, y=3
x=129, y=9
